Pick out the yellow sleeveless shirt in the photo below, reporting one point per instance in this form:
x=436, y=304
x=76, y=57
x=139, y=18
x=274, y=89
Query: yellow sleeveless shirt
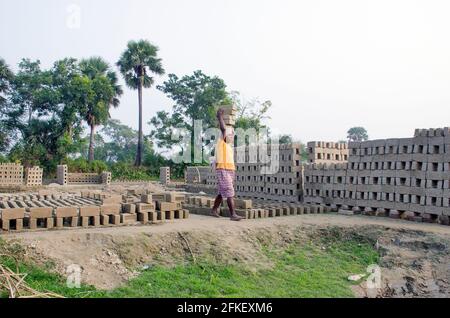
x=224, y=156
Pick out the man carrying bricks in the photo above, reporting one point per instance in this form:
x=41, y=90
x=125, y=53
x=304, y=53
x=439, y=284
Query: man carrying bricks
x=225, y=168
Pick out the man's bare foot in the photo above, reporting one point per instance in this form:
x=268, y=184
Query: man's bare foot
x=214, y=214
x=236, y=218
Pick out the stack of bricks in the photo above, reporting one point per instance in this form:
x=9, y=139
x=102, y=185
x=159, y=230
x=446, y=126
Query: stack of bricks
x=203, y=206
x=66, y=178
x=284, y=184
x=106, y=177
x=327, y=152
x=169, y=206
x=11, y=174
x=404, y=178
x=229, y=115
x=164, y=175
x=62, y=172
x=33, y=176
x=90, y=208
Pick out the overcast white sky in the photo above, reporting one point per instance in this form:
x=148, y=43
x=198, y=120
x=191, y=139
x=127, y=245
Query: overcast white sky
x=325, y=65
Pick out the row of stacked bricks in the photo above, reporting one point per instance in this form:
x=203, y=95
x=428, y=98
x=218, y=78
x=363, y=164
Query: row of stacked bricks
x=65, y=178
x=407, y=178
x=249, y=210
x=93, y=208
x=11, y=174
x=244, y=208
x=152, y=207
x=45, y=209
x=275, y=209
x=327, y=152
x=279, y=177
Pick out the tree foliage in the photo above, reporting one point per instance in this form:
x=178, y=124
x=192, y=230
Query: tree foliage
x=357, y=134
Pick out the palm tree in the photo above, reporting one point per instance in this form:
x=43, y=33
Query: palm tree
x=102, y=93
x=136, y=64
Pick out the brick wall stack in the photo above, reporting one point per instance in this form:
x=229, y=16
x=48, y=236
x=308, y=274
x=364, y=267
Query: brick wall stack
x=408, y=176
x=33, y=176
x=62, y=172
x=11, y=174
x=327, y=152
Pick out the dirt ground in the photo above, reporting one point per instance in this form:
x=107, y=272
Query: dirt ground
x=415, y=258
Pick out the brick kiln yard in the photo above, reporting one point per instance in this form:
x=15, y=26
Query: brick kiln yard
x=414, y=256
x=393, y=193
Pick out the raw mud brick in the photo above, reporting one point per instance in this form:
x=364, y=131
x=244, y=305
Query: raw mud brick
x=129, y=208
x=146, y=198
x=110, y=219
x=286, y=211
x=293, y=210
x=243, y=204
x=170, y=215
x=145, y=207
x=19, y=224
x=110, y=209
x=161, y=215
x=91, y=211
x=153, y=217
x=41, y=213
x=128, y=218
x=174, y=197
x=142, y=217
x=272, y=212
x=62, y=212
x=12, y=214
x=279, y=212
x=49, y=223
x=85, y=220
x=159, y=197
x=179, y=214
x=166, y=206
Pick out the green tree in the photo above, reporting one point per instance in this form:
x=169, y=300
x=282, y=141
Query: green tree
x=6, y=77
x=137, y=63
x=250, y=114
x=357, y=134
x=195, y=97
x=42, y=114
x=101, y=93
x=285, y=139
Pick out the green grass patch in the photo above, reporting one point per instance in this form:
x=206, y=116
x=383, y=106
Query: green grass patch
x=306, y=270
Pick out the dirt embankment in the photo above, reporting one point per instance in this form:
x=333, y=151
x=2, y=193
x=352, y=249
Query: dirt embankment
x=414, y=258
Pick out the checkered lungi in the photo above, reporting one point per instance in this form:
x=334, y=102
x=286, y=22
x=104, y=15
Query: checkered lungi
x=225, y=180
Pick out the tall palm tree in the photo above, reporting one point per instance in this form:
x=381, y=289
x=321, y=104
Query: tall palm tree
x=136, y=64
x=102, y=93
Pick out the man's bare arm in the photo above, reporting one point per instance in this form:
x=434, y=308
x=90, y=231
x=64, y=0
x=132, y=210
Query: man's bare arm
x=221, y=122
